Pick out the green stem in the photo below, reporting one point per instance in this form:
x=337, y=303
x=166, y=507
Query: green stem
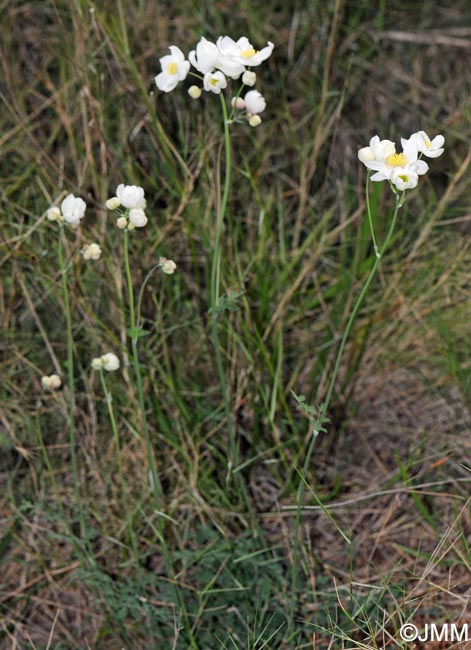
x=368, y=209
x=325, y=405
x=216, y=265
x=156, y=485
x=215, y=290
x=70, y=376
x=109, y=403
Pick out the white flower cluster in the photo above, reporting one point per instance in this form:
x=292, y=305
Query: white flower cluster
x=72, y=210
x=215, y=63
x=401, y=169
x=131, y=198
x=108, y=361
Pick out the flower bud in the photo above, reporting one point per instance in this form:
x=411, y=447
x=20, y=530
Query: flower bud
x=137, y=217
x=73, y=209
x=51, y=382
x=249, y=78
x=54, y=214
x=255, y=120
x=91, y=252
x=122, y=222
x=238, y=103
x=168, y=267
x=113, y=203
x=97, y=363
x=194, y=92
x=255, y=102
x=110, y=361
x=131, y=196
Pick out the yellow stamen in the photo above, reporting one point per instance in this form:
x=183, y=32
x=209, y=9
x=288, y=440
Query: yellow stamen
x=404, y=178
x=397, y=160
x=248, y=54
x=172, y=68
x=213, y=82
x=427, y=143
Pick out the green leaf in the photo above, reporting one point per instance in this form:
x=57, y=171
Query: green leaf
x=137, y=332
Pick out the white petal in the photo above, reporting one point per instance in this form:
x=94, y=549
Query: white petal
x=177, y=53
x=433, y=153
x=420, y=167
x=379, y=176
x=183, y=70
x=166, y=82
x=366, y=154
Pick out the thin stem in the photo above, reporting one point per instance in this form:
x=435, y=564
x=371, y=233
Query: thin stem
x=325, y=405
x=70, y=376
x=215, y=289
x=368, y=209
x=358, y=304
x=156, y=486
x=109, y=403
x=216, y=265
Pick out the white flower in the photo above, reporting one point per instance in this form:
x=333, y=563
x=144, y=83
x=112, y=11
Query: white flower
x=194, y=92
x=242, y=51
x=404, y=178
x=214, y=82
x=137, y=217
x=113, y=203
x=51, y=382
x=378, y=150
x=406, y=161
x=255, y=120
x=174, y=69
x=207, y=57
x=167, y=266
x=430, y=148
x=54, y=214
x=122, y=222
x=254, y=102
x=73, y=209
x=110, y=361
x=249, y=78
x=131, y=196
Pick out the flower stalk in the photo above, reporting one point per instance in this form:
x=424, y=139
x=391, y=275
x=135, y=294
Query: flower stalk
x=70, y=374
x=322, y=417
x=109, y=404
x=134, y=334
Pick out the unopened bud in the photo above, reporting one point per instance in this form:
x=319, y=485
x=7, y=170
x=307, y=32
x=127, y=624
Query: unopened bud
x=54, y=214
x=194, y=92
x=255, y=120
x=168, y=267
x=238, y=103
x=249, y=78
x=113, y=203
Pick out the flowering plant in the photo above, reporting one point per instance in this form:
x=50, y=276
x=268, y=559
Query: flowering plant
x=72, y=210
x=215, y=63
x=403, y=169
x=131, y=198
